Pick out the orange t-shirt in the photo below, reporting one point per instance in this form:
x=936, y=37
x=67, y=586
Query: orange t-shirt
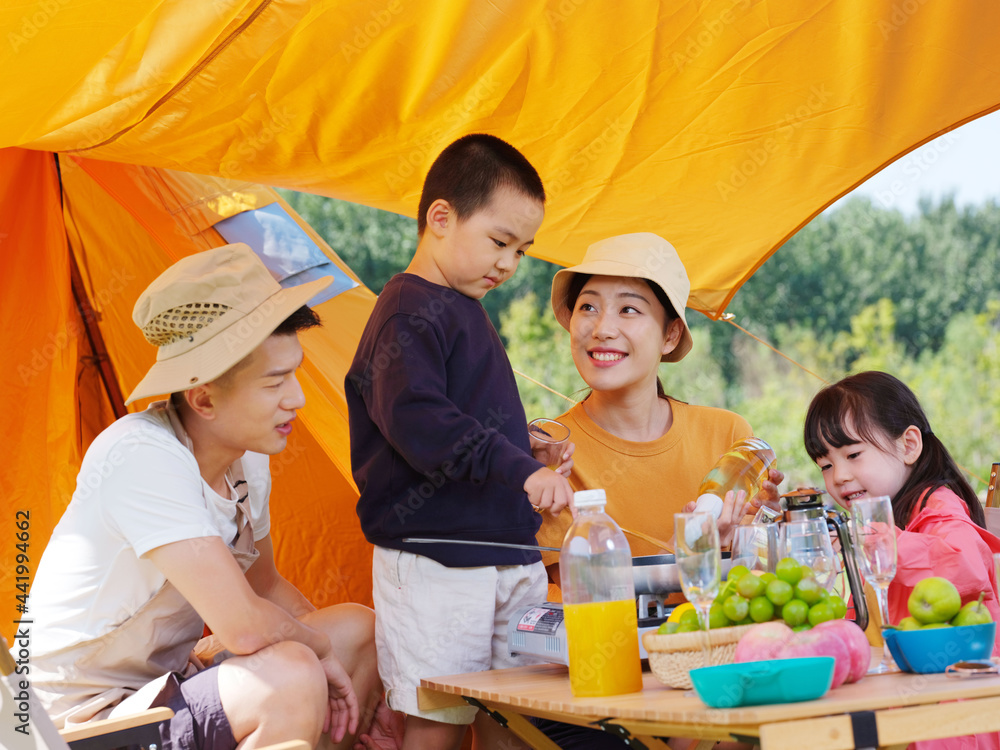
x=646, y=483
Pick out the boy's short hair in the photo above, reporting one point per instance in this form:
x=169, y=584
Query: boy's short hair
x=467, y=173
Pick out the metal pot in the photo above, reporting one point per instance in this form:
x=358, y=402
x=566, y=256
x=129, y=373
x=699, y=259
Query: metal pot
x=659, y=574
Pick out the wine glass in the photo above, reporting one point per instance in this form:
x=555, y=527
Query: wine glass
x=699, y=561
x=873, y=532
x=808, y=541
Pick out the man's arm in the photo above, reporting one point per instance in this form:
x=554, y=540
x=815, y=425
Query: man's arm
x=268, y=583
x=204, y=572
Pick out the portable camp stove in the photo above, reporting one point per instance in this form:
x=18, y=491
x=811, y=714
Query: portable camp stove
x=539, y=630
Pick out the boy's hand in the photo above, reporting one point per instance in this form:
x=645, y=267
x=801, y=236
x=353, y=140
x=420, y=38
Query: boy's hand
x=549, y=491
x=558, y=456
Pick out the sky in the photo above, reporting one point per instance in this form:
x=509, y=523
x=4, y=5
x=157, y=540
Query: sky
x=965, y=162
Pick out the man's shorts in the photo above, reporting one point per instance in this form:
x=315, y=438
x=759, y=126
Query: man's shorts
x=431, y=620
x=199, y=723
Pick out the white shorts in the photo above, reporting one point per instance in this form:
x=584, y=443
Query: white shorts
x=431, y=620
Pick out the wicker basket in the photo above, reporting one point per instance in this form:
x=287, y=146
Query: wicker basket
x=672, y=656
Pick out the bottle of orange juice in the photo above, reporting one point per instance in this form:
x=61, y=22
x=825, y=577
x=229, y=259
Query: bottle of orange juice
x=595, y=567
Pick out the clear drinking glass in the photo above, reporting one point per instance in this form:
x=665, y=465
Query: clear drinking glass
x=749, y=546
x=553, y=436
x=699, y=562
x=873, y=532
x=808, y=541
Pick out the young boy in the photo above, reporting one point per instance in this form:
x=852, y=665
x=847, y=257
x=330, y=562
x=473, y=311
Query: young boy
x=439, y=446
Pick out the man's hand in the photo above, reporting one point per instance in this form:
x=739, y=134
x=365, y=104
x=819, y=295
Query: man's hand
x=342, y=714
x=549, y=491
x=385, y=732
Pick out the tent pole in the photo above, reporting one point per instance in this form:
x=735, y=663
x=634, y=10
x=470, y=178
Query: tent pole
x=90, y=318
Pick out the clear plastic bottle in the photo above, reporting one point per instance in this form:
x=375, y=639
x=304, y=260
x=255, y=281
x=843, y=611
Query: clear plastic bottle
x=595, y=568
x=743, y=467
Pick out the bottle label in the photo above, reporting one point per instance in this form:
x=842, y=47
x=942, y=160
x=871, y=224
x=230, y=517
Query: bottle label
x=541, y=620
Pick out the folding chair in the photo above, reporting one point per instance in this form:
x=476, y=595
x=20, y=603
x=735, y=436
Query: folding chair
x=992, y=498
x=39, y=733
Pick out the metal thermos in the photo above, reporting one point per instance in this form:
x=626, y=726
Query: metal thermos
x=805, y=504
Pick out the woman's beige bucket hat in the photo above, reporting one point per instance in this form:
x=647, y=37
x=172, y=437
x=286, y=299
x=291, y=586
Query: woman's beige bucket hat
x=636, y=256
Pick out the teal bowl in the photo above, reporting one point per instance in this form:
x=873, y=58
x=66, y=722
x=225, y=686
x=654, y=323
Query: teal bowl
x=755, y=683
x=926, y=651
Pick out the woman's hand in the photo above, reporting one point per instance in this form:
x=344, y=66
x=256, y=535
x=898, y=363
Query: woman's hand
x=769, y=494
x=734, y=507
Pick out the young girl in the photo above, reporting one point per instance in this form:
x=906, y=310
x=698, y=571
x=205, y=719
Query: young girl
x=870, y=437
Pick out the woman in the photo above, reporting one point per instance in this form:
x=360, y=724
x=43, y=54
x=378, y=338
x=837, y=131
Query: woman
x=624, y=309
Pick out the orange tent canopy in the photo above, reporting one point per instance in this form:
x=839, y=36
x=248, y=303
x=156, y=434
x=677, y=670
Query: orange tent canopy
x=723, y=125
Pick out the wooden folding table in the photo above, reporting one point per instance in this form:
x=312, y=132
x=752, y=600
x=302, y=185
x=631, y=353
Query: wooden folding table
x=887, y=711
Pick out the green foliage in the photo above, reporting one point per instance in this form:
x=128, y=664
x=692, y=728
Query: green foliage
x=378, y=244
x=860, y=288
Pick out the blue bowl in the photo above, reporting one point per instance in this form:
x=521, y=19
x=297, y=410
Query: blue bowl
x=754, y=683
x=931, y=650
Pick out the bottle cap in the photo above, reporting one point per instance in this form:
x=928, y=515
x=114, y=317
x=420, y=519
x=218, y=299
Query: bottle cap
x=590, y=498
x=709, y=503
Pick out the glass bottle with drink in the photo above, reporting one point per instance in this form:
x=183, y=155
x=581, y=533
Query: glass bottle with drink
x=743, y=467
x=595, y=567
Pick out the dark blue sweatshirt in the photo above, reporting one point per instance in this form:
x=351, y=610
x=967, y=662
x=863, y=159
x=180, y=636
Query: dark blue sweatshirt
x=439, y=442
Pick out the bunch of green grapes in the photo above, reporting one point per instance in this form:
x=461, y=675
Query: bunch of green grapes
x=790, y=593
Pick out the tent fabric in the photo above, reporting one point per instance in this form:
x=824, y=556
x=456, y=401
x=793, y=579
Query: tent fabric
x=723, y=125
x=122, y=225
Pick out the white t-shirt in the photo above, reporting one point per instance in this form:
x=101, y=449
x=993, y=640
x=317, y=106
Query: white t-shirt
x=138, y=488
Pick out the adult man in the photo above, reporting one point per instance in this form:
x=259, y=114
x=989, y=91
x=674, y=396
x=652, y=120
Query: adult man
x=168, y=530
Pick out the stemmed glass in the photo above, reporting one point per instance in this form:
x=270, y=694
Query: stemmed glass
x=699, y=561
x=873, y=532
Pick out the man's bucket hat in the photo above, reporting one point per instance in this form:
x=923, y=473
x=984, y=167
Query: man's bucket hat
x=207, y=312
x=636, y=256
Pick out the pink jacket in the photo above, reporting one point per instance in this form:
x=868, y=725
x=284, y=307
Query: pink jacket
x=941, y=540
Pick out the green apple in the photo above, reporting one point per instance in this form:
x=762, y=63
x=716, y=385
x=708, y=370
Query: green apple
x=936, y=625
x=973, y=613
x=909, y=623
x=934, y=600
